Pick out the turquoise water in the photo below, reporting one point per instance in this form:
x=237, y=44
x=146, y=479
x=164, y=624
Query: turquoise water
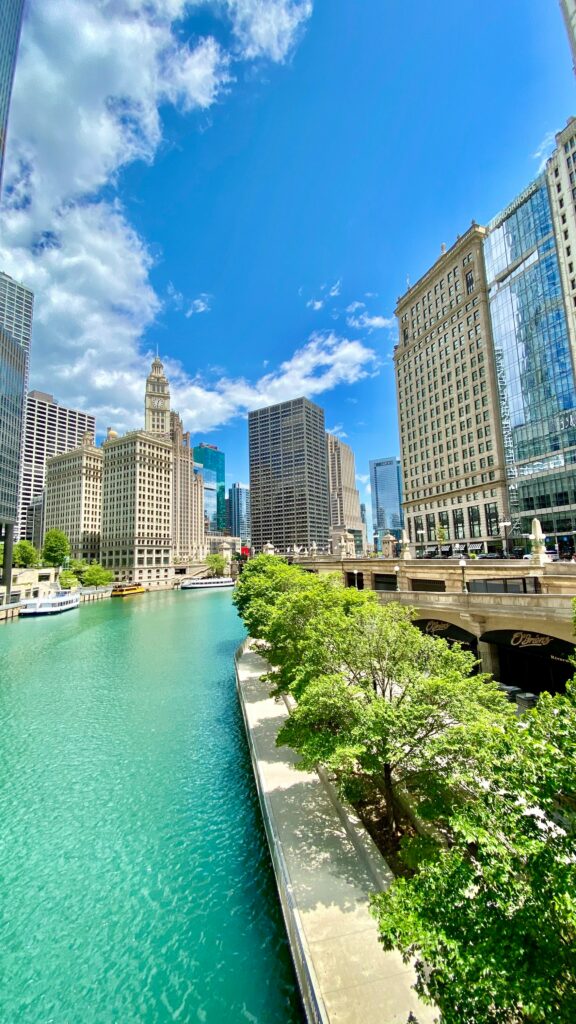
x=135, y=883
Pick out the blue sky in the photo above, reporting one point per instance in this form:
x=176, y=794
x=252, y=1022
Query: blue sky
x=247, y=184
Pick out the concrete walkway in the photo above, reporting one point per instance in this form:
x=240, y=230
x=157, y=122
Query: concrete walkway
x=326, y=866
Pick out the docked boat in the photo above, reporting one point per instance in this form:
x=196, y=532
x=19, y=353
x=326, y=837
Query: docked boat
x=50, y=604
x=209, y=582
x=127, y=589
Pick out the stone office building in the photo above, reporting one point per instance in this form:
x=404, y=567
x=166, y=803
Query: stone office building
x=454, y=476
x=73, y=498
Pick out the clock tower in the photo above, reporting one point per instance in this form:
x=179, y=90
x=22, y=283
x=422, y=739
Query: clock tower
x=157, y=401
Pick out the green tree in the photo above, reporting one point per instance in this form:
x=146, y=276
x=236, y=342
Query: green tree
x=25, y=554
x=263, y=580
x=387, y=708
x=491, y=918
x=67, y=580
x=56, y=547
x=216, y=564
x=78, y=566
x=95, y=575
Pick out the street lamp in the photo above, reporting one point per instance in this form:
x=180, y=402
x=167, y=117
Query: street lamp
x=397, y=571
x=462, y=564
x=506, y=525
x=355, y=571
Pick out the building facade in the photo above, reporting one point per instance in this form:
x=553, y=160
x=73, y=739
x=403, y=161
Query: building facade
x=212, y=464
x=534, y=359
x=289, y=503
x=188, y=533
x=73, y=498
x=239, y=506
x=569, y=13
x=453, y=466
x=136, y=538
x=11, y=12
x=13, y=371
x=49, y=429
x=386, y=490
x=343, y=495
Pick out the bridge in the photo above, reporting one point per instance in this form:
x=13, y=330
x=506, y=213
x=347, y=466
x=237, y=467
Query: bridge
x=516, y=616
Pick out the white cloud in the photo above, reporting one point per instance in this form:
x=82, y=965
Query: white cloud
x=354, y=306
x=337, y=430
x=363, y=478
x=268, y=28
x=372, y=323
x=92, y=78
x=199, y=305
x=315, y=304
x=544, y=149
x=335, y=290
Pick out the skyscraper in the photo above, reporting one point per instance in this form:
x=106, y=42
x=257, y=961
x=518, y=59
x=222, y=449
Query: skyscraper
x=386, y=488
x=136, y=539
x=453, y=468
x=344, y=498
x=16, y=305
x=213, y=467
x=188, y=535
x=569, y=13
x=239, y=505
x=288, y=476
x=49, y=428
x=533, y=360
x=73, y=498
x=10, y=25
x=157, y=401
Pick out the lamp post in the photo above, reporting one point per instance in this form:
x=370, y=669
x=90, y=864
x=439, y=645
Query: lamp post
x=462, y=564
x=355, y=571
x=397, y=571
x=506, y=526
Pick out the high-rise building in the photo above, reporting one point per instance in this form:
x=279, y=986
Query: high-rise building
x=49, y=429
x=569, y=13
x=11, y=12
x=239, y=505
x=136, y=538
x=212, y=463
x=188, y=533
x=386, y=488
x=453, y=465
x=532, y=351
x=16, y=305
x=288, y=476
x=343, y=495
x=73, y=498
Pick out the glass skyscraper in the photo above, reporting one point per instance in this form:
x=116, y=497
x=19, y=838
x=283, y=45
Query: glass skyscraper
x=533, y=363
x=10, y=24
x=13, y=369
x=239, y=505
x=212, y=466
x=386, y=487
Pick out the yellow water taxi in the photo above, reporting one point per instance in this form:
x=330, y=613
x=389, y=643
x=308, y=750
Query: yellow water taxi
x=127, y=589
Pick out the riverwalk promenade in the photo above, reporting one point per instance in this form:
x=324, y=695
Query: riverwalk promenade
x=326, y=867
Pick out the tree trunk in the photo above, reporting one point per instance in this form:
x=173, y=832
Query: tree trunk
x=389, y=797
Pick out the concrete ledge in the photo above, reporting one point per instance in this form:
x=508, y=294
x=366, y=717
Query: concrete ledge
x=326, y=866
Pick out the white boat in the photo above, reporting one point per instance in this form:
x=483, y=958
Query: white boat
x=50, y=604
x=213, y=582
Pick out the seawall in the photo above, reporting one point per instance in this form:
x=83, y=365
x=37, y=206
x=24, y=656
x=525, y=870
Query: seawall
x=326, y=867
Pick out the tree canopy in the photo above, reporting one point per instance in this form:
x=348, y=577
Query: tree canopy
x=216, y=564
x=95, y=575
x=56, y=547
x=25, y=554
x=487, y=907
x=67, y=580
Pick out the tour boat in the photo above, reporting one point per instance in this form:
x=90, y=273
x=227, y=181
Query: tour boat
x=214, y=582
x=127, y=589
x=50, y=604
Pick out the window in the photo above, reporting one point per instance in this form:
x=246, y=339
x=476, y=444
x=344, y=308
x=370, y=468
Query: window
x=469, y=282
x=474, y=521
x=458, y=520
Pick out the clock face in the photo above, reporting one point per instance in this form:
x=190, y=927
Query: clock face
x=157, y=403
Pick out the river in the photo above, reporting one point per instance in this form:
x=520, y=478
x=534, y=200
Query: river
x=135, y=882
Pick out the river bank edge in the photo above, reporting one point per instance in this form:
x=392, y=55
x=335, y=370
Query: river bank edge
x=325, y=867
